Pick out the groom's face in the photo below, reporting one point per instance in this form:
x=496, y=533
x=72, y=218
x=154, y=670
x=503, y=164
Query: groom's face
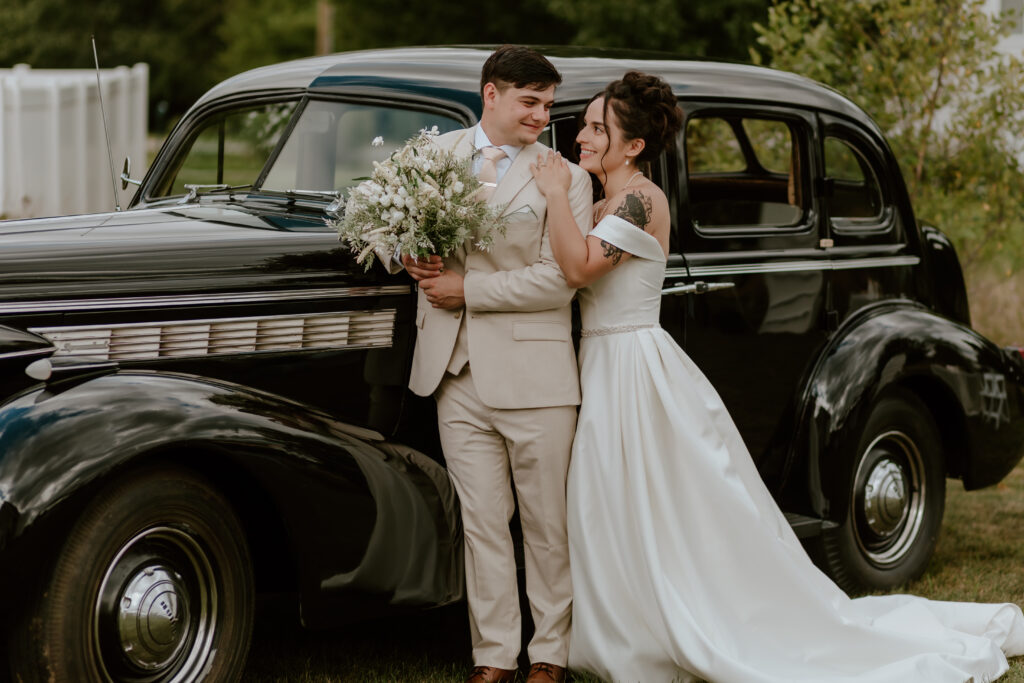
x=515, y=116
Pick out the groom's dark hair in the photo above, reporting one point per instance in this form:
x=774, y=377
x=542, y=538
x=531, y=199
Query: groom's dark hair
x=520, y=67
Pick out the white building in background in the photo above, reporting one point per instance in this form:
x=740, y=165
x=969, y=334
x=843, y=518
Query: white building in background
x=53, y=154
x=1013, y=43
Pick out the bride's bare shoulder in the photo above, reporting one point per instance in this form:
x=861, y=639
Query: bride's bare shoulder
x=644, y=205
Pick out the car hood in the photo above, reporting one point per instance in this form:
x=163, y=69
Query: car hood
x=207, y=247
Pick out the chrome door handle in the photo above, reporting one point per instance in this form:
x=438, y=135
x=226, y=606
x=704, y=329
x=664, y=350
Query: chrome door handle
x=697, y=288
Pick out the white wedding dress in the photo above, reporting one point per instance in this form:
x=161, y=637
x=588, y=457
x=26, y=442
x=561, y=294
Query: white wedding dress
x=683, y=567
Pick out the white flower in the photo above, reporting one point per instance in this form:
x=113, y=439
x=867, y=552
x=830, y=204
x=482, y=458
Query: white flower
x=416, y=200
x=378, y=141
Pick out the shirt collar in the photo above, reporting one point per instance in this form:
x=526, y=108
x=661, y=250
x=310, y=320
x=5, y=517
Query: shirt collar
x=482, y=141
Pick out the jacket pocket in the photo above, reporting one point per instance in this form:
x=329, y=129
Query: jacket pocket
x=539, y=331
x=522, y=218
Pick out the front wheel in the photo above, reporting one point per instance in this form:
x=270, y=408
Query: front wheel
x=153, y=585
x=895, y=495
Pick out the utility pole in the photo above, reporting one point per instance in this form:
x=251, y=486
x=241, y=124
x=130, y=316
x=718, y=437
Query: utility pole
x=324, y=27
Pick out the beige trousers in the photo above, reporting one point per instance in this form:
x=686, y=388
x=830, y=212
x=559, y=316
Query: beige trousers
x=488, y=451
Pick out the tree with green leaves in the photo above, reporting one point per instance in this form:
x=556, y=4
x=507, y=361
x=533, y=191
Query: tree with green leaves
x=721, y=29
x=177, y=38
x=948, y=100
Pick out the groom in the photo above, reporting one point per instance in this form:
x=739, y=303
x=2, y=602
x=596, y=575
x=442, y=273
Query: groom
x=494, y=347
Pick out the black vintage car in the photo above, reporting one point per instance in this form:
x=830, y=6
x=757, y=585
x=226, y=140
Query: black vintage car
x=204, y=396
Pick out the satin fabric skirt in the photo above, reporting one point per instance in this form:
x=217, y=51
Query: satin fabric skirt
x=684, y=568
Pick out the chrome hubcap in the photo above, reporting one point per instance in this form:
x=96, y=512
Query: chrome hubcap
x=885, y=498
x=153, y=617
x=888, y=505
x=156, y=610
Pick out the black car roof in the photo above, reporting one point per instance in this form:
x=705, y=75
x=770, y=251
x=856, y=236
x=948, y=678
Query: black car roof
x=453, y=74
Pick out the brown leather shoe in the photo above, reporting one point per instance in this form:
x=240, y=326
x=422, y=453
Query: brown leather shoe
x=542, y=672
x=490, y=674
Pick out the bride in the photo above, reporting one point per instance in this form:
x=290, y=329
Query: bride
x=683, y=567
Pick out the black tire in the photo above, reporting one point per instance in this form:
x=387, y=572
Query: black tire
x=895, y=498
x=154, y=584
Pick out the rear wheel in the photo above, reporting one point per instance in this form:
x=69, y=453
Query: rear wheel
x=154, y=584
x=895, y=497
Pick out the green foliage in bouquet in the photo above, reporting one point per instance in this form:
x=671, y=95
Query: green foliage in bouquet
x=422, y=200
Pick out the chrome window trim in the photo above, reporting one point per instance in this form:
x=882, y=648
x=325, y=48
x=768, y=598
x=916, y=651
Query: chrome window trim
x=795, y=266
x=118, y=303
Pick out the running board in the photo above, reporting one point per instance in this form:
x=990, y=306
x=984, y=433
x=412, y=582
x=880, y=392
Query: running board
x=806, y=527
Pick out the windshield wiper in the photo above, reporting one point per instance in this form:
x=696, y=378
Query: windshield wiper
x=336, y=199
x=194, y=191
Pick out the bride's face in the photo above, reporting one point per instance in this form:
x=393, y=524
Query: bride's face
x=600, y=140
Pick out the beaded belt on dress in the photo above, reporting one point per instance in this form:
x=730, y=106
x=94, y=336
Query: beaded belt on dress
x=615, y=329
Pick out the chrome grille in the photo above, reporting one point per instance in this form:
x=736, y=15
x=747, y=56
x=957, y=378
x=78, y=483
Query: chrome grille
x=182, y=338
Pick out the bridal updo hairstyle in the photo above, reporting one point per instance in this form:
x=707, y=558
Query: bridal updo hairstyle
x=646, y=109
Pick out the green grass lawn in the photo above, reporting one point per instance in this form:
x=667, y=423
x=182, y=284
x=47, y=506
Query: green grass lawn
x=980, y=557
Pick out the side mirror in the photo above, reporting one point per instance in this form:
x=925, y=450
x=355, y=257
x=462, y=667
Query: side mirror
x=126, y=174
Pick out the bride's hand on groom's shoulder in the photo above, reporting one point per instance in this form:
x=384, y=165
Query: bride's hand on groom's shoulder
x=551, y=173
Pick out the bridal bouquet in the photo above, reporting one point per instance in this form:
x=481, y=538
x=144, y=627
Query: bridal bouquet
x=422, y=200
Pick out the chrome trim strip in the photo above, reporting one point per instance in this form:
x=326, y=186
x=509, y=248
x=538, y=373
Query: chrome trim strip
x=795, y=266
x=754, y=268
x=29, y=352
x=877, y=262
x=67, y=305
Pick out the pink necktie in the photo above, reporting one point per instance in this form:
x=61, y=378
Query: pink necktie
x=489, y=170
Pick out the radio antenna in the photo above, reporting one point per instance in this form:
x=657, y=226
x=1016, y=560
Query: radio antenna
x=103, y=115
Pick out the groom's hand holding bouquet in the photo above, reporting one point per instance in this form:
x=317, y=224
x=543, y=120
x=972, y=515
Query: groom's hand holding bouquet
x=422, y=203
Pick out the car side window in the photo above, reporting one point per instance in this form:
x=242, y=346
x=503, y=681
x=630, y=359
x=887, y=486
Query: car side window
x=855, y=191
x=230, y=148
x=334, y=144
x=745, y=170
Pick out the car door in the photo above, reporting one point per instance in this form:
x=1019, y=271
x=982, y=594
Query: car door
x=755, y=276
x=870, y=256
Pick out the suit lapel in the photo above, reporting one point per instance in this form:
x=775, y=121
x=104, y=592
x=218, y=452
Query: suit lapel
x=463, y=145
x=517, y=176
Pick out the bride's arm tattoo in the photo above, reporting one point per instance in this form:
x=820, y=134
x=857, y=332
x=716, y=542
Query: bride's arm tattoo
x=611, y=251
x=637, y=209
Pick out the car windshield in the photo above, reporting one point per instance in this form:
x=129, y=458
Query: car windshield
x=228, y=148
x=334, y=144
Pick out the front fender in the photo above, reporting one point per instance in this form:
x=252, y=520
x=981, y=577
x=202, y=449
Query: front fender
x=960, y=375
x=333, y=486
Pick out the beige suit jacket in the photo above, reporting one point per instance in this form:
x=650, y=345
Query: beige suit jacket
x=517, y=301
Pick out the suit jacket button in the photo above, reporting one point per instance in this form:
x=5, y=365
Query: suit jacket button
x=458, y=315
